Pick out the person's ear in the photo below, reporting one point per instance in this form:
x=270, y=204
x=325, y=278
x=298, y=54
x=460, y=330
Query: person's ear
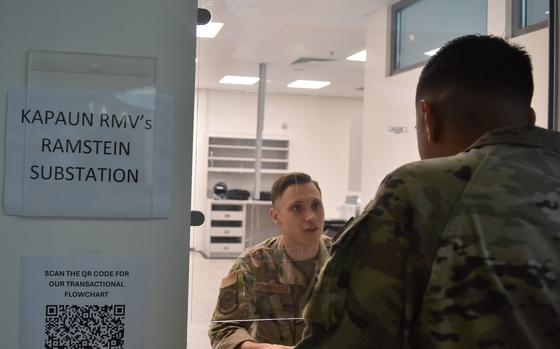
x=273, y=214
x=430, y=121
x=532, y=117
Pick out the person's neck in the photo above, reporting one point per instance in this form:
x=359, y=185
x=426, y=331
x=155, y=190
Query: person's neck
x=464, y=139
x=299, y=252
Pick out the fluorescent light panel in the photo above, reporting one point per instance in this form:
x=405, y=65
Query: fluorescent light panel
x=239, y=80
x=432, y=52
x=209, y=30
x=309, y=84
x=359, y=56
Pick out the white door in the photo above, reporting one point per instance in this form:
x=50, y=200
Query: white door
x=95, y=236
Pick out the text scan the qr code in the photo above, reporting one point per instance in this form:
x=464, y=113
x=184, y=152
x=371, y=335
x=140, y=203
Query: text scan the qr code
x=84, y=326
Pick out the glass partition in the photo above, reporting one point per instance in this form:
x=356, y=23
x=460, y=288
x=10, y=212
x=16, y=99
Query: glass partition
x=351, y=129
x=307, y=128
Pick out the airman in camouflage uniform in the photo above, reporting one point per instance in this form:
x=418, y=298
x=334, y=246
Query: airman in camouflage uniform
x=261, y=300
x=264, y=284
x=457, y=251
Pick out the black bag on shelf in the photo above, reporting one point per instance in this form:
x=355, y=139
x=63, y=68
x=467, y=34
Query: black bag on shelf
x=265, y=196
x=237, y=194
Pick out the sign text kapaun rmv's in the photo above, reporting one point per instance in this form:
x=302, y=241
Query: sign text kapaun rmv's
x=99, y=147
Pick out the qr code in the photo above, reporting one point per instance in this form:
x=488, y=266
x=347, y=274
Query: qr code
x=84, y=326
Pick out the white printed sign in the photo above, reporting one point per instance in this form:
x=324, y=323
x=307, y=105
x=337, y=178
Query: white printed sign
x=87, y=154
x=83, y=302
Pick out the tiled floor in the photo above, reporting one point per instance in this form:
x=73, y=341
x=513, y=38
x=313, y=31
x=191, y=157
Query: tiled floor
x=204, y=278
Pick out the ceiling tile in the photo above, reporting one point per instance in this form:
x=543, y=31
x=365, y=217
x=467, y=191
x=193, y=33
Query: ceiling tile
x=278, y=32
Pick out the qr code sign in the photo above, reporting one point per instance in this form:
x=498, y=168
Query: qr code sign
x=84, y=326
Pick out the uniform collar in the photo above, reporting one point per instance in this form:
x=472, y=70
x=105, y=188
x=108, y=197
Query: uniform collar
x=530, y=136
x=287, y=272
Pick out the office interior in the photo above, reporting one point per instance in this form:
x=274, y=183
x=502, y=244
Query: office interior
x=347, y=135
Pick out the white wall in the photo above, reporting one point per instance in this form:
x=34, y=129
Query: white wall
x=389, y=101
x=355, y=154
x=161, y=29
x=318, y=129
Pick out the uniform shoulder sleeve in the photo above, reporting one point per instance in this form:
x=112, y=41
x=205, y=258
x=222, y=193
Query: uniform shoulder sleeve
x=370, y=290
x=235, y=302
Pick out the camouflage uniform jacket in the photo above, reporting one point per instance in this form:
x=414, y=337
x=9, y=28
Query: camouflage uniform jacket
x=264, y=284
x=455, y=252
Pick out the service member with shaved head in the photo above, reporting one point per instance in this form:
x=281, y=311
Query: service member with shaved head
x=461, y=249
x=261, y=300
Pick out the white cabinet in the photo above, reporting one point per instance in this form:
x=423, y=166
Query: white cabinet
x=234, y=225
x=226, y=228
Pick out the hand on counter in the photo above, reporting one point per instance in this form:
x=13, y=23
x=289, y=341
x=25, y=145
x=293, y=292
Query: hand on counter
x=254, y=345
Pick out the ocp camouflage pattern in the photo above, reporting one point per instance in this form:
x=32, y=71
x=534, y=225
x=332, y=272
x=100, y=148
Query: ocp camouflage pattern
x=262, y=288
x=455, y=252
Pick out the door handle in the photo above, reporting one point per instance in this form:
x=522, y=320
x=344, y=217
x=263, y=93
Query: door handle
x=203, y=16
x=197, y=218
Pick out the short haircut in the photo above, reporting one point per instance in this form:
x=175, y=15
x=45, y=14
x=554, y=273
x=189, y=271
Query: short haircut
x=281, y=184
x=482, y=66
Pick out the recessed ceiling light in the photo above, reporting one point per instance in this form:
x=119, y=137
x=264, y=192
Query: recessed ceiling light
x=239, y=80
x=208, y=30
x=311, y=84
x=432, y=52
x=359, y=56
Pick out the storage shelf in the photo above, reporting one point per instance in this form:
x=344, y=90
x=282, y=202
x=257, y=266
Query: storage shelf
x=242, y=202
x=275, y=148
x=225, y=158
x=244, y=170
x=223, y=146
x=232, y=160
